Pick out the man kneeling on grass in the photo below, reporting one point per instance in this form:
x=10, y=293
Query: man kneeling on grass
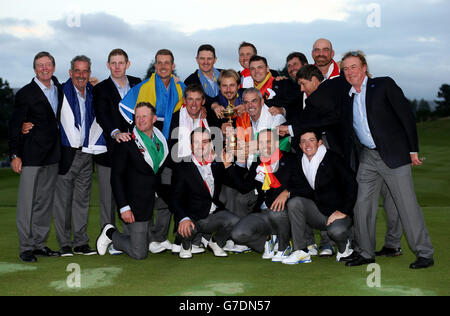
x=196, y=185
x=322, y=196
x=135, y=177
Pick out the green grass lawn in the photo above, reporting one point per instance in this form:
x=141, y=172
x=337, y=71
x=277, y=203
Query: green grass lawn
x=244, y=274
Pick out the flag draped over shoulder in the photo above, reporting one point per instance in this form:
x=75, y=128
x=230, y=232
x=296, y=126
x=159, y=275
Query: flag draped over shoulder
x=265, y=171
x=70, y=122
x=154, y=150
x=166, y=101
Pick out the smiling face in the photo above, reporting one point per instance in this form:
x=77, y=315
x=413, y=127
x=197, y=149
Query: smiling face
x=254, y=105
x=322, y=52
x=194, y=103
x=293, y=66
x=164, y=66
x=201, y=145
x=44, y=69
x=354, y=71
x=144, y=119
x=258, y=71
x=80, y=75
x=309, y=144
x=229, y=88
x=206, y=60
x=245, y=53
x=266, y=144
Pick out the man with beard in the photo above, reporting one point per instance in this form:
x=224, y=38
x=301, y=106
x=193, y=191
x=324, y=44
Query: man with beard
x=323, y=54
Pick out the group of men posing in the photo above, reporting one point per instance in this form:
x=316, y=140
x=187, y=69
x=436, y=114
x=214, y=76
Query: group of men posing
x=311, y=151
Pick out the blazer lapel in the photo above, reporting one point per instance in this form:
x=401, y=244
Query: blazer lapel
x=198, y=178
x=112, y=87
x=369, y=90
x=40, y=94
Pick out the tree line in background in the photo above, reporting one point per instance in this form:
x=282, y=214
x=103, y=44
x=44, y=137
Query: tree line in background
x=421, y=108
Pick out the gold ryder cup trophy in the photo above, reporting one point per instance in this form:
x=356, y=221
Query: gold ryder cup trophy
x=231, y=140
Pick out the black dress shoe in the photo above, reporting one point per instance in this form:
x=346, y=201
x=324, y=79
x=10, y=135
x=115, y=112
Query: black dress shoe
x=84, y=250
x=352, y=257
x=389, y=252
x=27, y=256
x=46, y=252
x=421, y=263
x=66, y=251
x=360, y=260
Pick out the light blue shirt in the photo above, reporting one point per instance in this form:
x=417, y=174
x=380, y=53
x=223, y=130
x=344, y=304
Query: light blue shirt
x=50, y=93
x=122, y=91
x=360, y=122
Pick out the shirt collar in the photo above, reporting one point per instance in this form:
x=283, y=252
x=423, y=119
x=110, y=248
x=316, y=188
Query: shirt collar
x=363, y=87
x=118, y=85
x=43, y=86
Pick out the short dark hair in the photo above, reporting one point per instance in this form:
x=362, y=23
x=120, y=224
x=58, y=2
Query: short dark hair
x=146, y=104
x=274, y=133
x=195, y=87
x=247, y=44
x=118, y=51
x=309, y=71
x=208, y=48
x=315, y=131
x=43, y=54
x=201, y=129
x=298, y=55
x=258, y=58
x=166, y=52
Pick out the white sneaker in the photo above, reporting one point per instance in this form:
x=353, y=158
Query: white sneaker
x=268, y=250
x=156, y=247
x=298, y=256
x=280, y=255
x=218, y=252
x=347, y=252
x=167, y=244
x=205, y=242
x=240, y=249
x=275, y=243
x=229, y=245
x=326, y=252
x=103, y=241
x=185, y=253
x=197, y=249
x=114, y=251
x=176, y=249
x=313, y=250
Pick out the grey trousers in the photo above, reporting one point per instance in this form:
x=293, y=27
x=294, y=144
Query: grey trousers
x=239, y=204
x=220, y=224
x=135, y=242
x=107, y=203
x=35, y=205
x=372, y=172
x=394, y=232
x=72, y=196
x=303, y=212
x=160, y=224
x=254, y=229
